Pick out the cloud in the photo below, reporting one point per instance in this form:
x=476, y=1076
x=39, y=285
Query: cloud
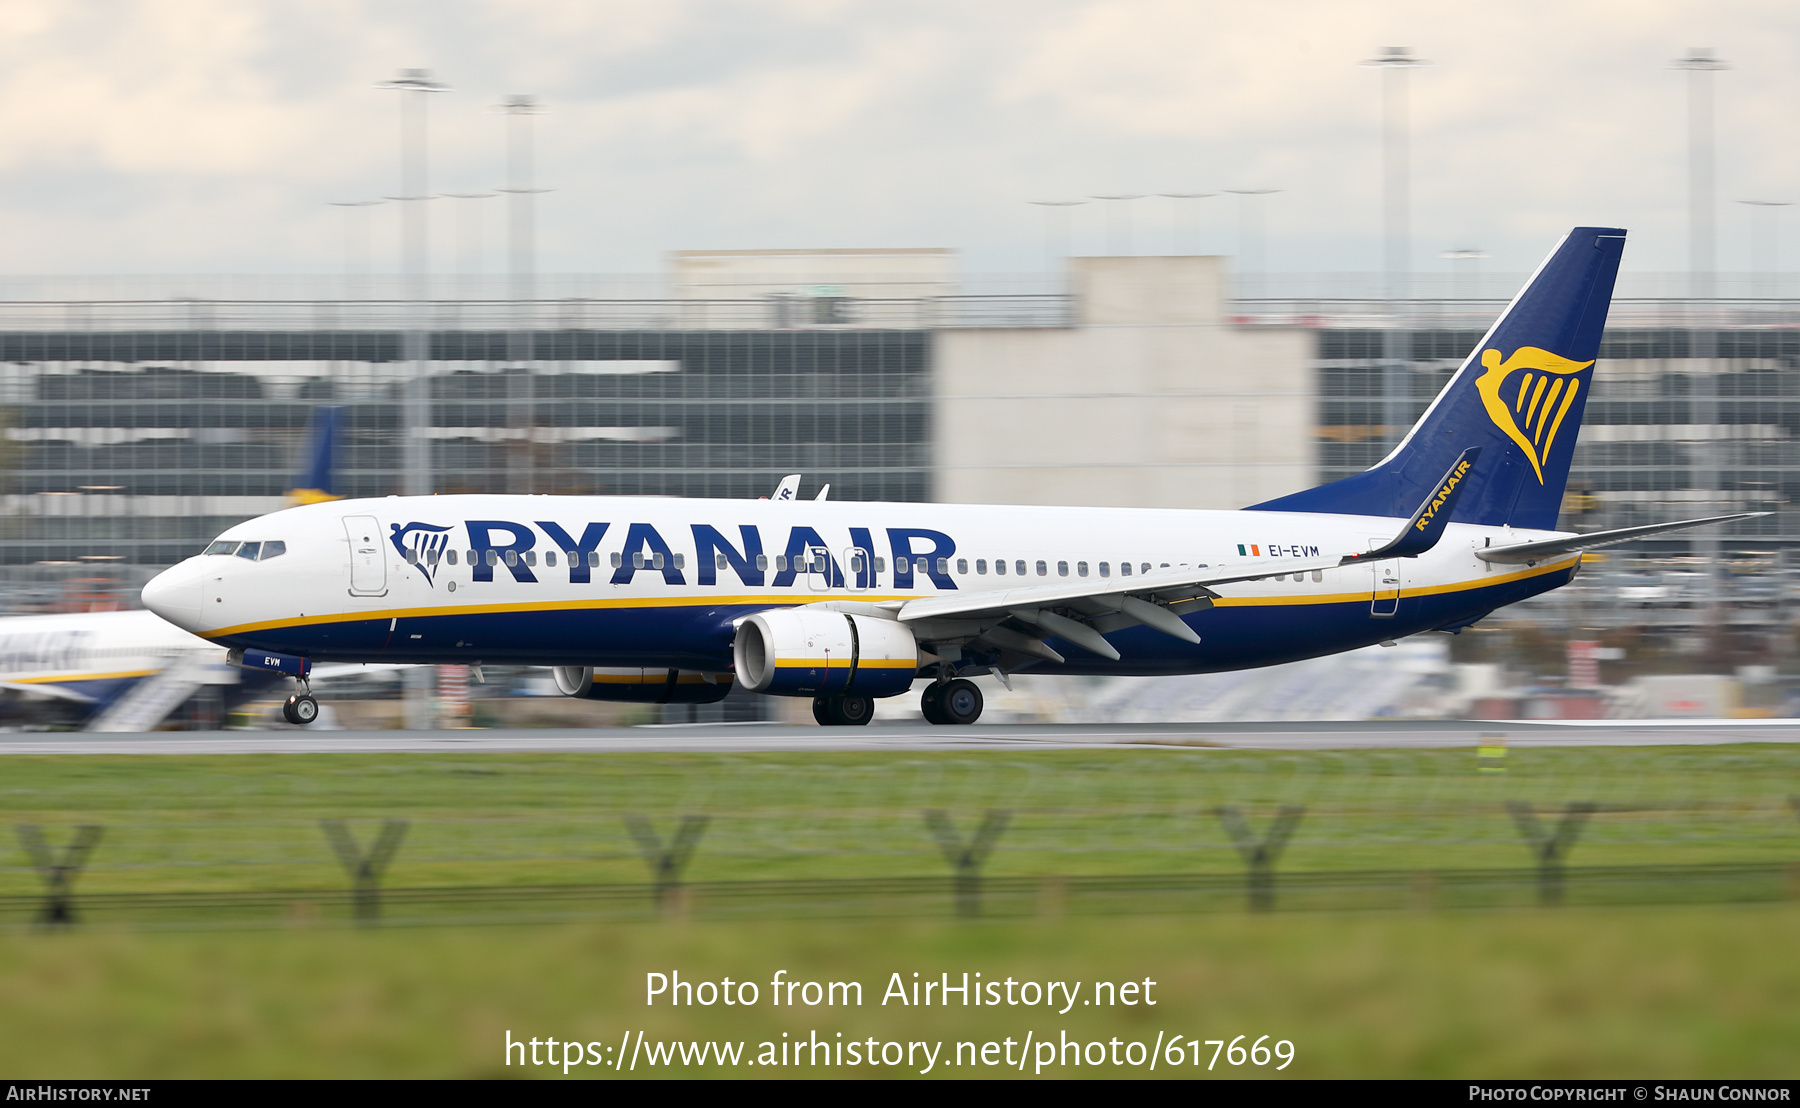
x=209, y=135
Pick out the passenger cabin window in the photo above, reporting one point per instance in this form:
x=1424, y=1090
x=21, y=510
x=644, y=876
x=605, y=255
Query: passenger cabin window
x=512, y=557
x=1062, y=569
x=781, y=563
x=962, y=565
x=1105, y=569
x=617, y=560
x=656, y=561
x=222, y=547
x=880, y=564
x=681, y=561
x=1081, y=569
x=981, y=566
x=1000, y=567
x=273, y=549
x=531, y=557
x=943, y=565
x=549, y=557
x=450, y=556
x=720, y=562
x=594, y=559
x=493, y=557
x=637, y=560
x=1145, y=568
x=1044, y=570
x=1124, y=569
x=1019, y=567
x=762, y=562
x=574, y=557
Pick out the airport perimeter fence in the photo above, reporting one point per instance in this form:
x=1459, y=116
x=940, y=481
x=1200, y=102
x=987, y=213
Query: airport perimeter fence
x=964, y=884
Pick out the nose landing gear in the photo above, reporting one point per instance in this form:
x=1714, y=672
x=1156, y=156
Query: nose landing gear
x=301, y=708
x=951, y=702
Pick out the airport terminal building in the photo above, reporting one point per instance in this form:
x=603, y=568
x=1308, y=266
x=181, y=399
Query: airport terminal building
x=140, y=419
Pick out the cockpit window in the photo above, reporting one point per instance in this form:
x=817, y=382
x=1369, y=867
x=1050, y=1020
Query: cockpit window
x=223, y=546
x=273, y=549
x=248, y=551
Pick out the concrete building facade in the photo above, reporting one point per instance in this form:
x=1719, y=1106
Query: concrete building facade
x=1151, y=396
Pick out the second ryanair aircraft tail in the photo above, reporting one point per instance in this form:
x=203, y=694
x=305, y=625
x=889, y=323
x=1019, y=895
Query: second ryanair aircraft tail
x=316, y=482
x=1518, y=397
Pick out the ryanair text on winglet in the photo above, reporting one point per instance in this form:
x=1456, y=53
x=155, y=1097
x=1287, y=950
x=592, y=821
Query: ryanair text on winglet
x=1443, y=492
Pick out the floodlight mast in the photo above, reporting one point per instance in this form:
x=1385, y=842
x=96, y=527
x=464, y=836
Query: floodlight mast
x=1395, y=62
x=1701, y=63
x=1765, y=246
x=1175, y=218
x=1250, y=239
x=522, y=226
x=356, y=246
x=1119, y=246
x=415, y=86
x=1056, y=245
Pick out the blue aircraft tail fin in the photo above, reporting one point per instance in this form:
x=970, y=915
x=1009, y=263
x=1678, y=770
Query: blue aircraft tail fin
x=316, y=482
x=1519, y=397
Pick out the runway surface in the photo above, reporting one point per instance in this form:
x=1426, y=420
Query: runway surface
x=726, y=738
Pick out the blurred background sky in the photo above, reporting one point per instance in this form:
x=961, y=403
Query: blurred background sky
x=210, y=135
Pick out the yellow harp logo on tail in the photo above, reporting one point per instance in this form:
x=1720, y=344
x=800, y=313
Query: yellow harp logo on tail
x=1533, y=412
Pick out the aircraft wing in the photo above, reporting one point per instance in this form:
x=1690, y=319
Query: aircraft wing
x=1531, y=553
x=1082, y=612
x=46, y=691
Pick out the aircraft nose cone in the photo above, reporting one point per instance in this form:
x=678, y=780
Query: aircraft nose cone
x=174, y=594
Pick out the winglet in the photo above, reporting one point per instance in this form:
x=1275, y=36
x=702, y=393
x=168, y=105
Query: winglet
x=1426, y=526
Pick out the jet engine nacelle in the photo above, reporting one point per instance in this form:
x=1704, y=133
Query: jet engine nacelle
x=641, y=686
x=809, y=652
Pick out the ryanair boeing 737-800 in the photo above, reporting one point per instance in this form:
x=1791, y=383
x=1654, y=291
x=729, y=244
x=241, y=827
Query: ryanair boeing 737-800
x=660, y=600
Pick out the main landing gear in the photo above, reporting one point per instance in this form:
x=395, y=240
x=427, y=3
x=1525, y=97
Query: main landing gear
x=951, y=702
x=301, y=708
x=843, y=711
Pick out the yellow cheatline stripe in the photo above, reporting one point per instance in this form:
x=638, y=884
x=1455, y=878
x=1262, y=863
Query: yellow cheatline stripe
x=70, y=677
x=844, y=663
x=772, y=602
x=539, y=606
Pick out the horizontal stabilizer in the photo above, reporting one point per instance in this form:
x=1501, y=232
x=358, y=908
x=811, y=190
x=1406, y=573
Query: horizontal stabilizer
x=1531, y=553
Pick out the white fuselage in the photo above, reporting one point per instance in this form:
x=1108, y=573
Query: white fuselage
x=390, y=580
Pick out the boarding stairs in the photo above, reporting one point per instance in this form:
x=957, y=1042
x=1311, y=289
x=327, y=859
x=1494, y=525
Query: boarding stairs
x=151, y=700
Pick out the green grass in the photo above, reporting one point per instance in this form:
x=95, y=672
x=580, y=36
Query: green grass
x=1572, y=993
x=251, y=822
x=1580, y=991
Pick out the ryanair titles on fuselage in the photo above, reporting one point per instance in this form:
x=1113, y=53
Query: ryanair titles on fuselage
x=497, y=544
